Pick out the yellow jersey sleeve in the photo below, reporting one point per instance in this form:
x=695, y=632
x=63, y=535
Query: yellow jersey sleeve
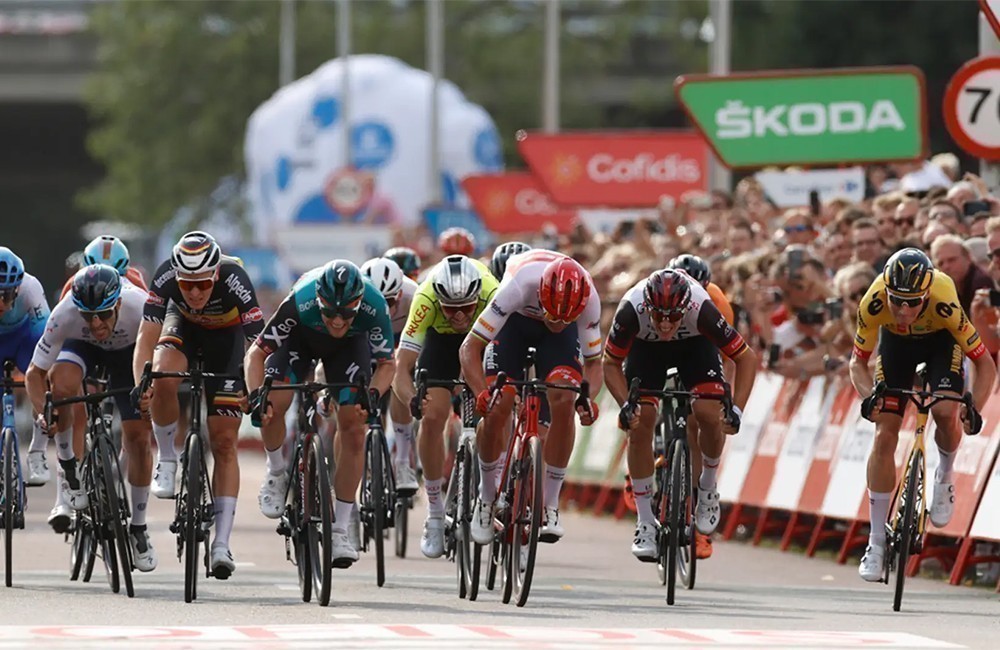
x=871, y=315
x=946, y=307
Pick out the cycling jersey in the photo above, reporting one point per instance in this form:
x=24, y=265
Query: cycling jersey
x=232, y=303
x=65, y=324
x=30, y=306
x=941, y=311
x=132, y=276
x=426, y=313
x=702, y=318
x=518, y=294
x=401, y=311
x=300, y=309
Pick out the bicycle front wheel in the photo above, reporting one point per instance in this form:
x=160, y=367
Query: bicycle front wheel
x=906, y=533
x=9, y=498
x=687, y=553
x=676, y=516
x=319, y=519
x=116, y=513
x=527, y=520
x=470, y=554
x=192, y=514
x=402, y=523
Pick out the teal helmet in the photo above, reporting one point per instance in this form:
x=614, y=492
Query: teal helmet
x=340, y=285
x=107, y=250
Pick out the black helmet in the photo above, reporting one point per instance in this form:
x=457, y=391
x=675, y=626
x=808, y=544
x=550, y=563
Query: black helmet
x=504, y=252
x=693, y=266
x=908, y=272
x=96, y=288
x=407, y=260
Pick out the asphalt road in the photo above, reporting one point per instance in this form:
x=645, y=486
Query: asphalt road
x=588, y=592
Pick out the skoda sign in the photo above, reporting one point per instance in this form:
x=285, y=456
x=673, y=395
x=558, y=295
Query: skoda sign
x=809, y=117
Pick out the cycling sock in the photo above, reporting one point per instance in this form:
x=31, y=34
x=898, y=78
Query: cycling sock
x=943, y=472
x=140, y=497
x=64, y=445
x=642, y=490
x=878, y=513
x=164, y=435
x=435, y=504
x=39, y=439
x=225, y=512
x=489, y=474
x=60, y=495
x=404, y=439
x=553, y=485
x=341, y=515
x=709, y=472
x=276, y=460
x=69, y=473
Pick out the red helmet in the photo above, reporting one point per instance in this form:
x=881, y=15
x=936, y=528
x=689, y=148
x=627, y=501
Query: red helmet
x=564, y=290
x=667, y=290
x=457, y=241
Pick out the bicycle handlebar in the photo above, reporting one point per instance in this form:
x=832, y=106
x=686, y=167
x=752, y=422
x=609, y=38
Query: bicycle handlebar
x=635, y=393
x=423, y=383
x=51, y=404
x=148, y=375
x=306, y=387
x=925, y=400
x=583, y=390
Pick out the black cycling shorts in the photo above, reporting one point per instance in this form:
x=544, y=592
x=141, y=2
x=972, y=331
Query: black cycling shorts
x=697, y=361
x=116, y=363
x=439, y=356
x=898, y=356
x=222, y=352
x=342, y=360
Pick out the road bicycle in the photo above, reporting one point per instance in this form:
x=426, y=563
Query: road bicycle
x=13, y=499
x=378, y=485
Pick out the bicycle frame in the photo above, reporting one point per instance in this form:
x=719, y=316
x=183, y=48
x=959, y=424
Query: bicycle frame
x=7, y=425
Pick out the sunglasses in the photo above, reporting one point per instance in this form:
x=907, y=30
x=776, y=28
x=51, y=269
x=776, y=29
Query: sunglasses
x=450, y=311
x=802, y=228
x=103, y=315
x=672, y=315
x=201, y=285
x=8, y=295
x=901, y=301
x=345, y=312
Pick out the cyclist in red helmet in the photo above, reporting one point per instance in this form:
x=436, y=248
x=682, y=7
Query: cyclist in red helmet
x=546, y=301
x=668, y=321
x=457, y=241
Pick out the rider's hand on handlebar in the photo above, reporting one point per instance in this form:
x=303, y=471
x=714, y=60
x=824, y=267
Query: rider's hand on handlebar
x=731, y=420
x=141, y=401
x=628, y=417
x=873, y=403
x=971, y=418
x=42, y=423
x=483, y=401
x=588, y=414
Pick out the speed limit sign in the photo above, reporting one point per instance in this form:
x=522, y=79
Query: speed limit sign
x=972, y=107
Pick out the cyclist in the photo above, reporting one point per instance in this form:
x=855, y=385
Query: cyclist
x=546, y=301
x=23, y=314
x=407, y=259
x=443, y=310
x=502, y=253
x=398, y=291
x=335, y=315
x=456, y=241
x=913, y=313
x=96, y=324
x=200, y=301
x=668, y=320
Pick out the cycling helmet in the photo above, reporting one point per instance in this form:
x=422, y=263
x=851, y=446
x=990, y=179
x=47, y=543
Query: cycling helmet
x=564, y=289
x=693, y=266
x=908, y=272
x=96, y=288
x=107, y=250
x=406, y=258
x=457, y=241
x=667, y=290
x=504, y=252
x=457, y=281
x=11, y=269
x=385, y=275
x=340, y=284
x=196, y=252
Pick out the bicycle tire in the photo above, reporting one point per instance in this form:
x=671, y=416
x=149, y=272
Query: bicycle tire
x=93, y=482
x=688, y=550
x=115, y=512
x=297, y=527
x=675, y=517
x=506, y=535
x=80, y=548
x=473, y=570
x=493, y=563
x=319, y=520
x=454, y=546
x=88, y=569
x=530, y=504
x=191, y=509
x=909, y=525
x=662, y=510
x=401, y=521
x=9, y=501
x=377, y=504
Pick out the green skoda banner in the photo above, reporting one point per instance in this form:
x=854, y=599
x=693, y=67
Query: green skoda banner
x=809, y=117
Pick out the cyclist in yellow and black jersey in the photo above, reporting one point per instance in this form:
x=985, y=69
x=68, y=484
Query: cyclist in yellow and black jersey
x=913, y=314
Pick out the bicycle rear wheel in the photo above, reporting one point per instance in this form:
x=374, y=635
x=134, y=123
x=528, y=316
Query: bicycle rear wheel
x=81, y=549
x=528, y=513
x=296, y=518
x=318, y=520
x=676, y=518
x=906, y=532
x=401, y=523
x=470, y=553
x=116, y=515
x=191, y=513
x=93, y=482
x=9, y=498
x=377, y=502
x=687, y=558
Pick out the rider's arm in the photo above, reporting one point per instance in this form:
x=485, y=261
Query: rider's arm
x=967, y=337
x=382, y=377
x=36, y=385
x=402, y=381
x=145, y=342
x=504, y=302
x=591, y=341
x=153, y=313
x=713, y=326
x=270, y=338
x=470, y=354
x=870, y=312
x=251, y=316
x=746, y=372
x=982, y=385
x=46, y=352
x=624, y=328
x=253, y=366
x=380, y=341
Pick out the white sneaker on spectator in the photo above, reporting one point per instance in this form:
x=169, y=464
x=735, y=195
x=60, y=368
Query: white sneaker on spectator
x=143, y=553
x=707, y=512
x=38, y=469
x=406, y=479
x=272, y=495
x=552, y=531
x=942, y=503
x=432, y=540
x=343, y=551
x=223, y=563
x=873, y=563
x=481, y=525
x=164, y=479
x=644, y=543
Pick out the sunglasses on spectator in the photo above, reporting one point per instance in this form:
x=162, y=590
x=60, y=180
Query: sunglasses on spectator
x=904, y=301
x=450, y=311
x=103, y=315
x=8, y=295
x=672, y=315
x=203, y=284
x=802, y=228
x=345, y=312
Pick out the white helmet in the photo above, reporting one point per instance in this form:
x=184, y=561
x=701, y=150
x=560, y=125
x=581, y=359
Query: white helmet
x=385, y=274
x=457, y=281
x=196, y=252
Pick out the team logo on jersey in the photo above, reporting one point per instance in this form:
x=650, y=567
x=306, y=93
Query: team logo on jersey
x=154, y=299
x=252, y=316
x=278, y=333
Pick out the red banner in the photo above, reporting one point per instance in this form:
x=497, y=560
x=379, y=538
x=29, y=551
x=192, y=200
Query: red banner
x=624, y=169
x=515, y=202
